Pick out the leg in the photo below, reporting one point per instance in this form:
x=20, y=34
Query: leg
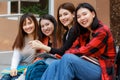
x=50, y=72
x=72, y=66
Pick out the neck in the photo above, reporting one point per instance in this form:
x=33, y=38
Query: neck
x=30, y=36
x=69, y=26
x=50, y=39
x=90, y=32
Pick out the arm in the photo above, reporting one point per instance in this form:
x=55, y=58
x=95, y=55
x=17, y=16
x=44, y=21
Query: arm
x=15, y=62
x=68, y=43
x=39, y=45
x=96, y=43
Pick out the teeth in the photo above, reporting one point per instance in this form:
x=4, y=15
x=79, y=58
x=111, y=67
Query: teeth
x=84, y=22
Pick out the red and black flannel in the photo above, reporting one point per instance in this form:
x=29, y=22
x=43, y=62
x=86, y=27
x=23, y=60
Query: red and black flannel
x=101, y=46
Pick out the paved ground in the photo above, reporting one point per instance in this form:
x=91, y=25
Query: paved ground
x=5, y=59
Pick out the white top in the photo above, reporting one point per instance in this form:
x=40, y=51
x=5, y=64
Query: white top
x=26, y=55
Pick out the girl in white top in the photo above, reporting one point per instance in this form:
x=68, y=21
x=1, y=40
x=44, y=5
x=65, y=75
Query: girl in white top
x=23, y=54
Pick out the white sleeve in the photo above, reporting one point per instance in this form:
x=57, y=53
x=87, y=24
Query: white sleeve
x=16, y=58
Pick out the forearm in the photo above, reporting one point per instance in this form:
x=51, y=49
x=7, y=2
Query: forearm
x=15, y=59
x=46, y=48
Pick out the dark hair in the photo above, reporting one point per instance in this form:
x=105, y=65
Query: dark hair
x=95, y=24
x=52, y=19
x=20, y=39
x=68, y=6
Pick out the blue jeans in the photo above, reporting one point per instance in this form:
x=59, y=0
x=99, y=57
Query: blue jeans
x=9, y=77
x=71, y=67
x=50, y=72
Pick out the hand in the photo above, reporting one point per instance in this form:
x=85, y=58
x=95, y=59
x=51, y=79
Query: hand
x=13, y=72
x=36, y=44
x=25, y=72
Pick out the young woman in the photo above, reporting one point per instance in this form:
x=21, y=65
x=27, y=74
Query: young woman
x=100, y=47
x=66, y=32
x=23, y=54
x=48, y=30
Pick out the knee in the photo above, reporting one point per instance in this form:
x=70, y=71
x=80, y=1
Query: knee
x=54, y=63
x=67, y=57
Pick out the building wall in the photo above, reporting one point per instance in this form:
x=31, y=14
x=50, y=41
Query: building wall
x=9, y=28
x=3, y=6
x=8, y=31
x=101, y=9
x=115, y=20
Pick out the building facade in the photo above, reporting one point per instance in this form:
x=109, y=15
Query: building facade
x=9, y=27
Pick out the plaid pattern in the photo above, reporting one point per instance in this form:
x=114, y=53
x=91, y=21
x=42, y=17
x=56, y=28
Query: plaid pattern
x=101, y=46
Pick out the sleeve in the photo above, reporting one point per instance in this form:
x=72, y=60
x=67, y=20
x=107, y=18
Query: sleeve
x=71, y=38
x=95, y=44
x=15, y=58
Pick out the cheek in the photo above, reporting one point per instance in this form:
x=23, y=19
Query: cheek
x=91, y=20
x=42, y=30
x=33, y=27
x=78, y=20
x=23, y=28
x=52, y=29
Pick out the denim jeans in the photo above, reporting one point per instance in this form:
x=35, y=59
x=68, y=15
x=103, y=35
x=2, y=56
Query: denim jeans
x=71, y=67
x=50, y=72
x=9, y=77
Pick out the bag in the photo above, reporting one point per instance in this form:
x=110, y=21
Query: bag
x=35, y=70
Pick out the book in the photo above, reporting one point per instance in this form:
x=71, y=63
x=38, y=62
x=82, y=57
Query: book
x=46, y=55
x=91, y=59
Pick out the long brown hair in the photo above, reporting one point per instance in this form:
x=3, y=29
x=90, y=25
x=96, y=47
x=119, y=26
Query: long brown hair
x=51, y=19
x=61, y=28
x=20, y=38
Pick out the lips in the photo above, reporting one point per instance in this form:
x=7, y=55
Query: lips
x=28, y=29
x=84, y=22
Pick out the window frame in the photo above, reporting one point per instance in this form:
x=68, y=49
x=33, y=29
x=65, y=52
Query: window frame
x=16, y=16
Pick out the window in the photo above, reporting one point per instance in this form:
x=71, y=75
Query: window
x=37, y=7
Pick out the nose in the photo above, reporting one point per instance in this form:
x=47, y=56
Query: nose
x=45, y=28
x=27, y=26
x=62, y=17
x=82, y=18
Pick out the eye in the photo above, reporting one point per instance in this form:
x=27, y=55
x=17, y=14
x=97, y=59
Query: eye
x=65, y=13
x=42, y=26
x=47, y=24
x=84, y=13
x=78, y=16
x=60, y=15
x=30, y=22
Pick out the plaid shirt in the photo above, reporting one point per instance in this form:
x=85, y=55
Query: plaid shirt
x=101, y=46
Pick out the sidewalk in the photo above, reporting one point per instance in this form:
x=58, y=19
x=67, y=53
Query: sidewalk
x=5, y=59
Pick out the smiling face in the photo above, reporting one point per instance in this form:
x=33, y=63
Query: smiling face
x=28, y=26
x=47, y=27
x=85, y=17
x=66, y=17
